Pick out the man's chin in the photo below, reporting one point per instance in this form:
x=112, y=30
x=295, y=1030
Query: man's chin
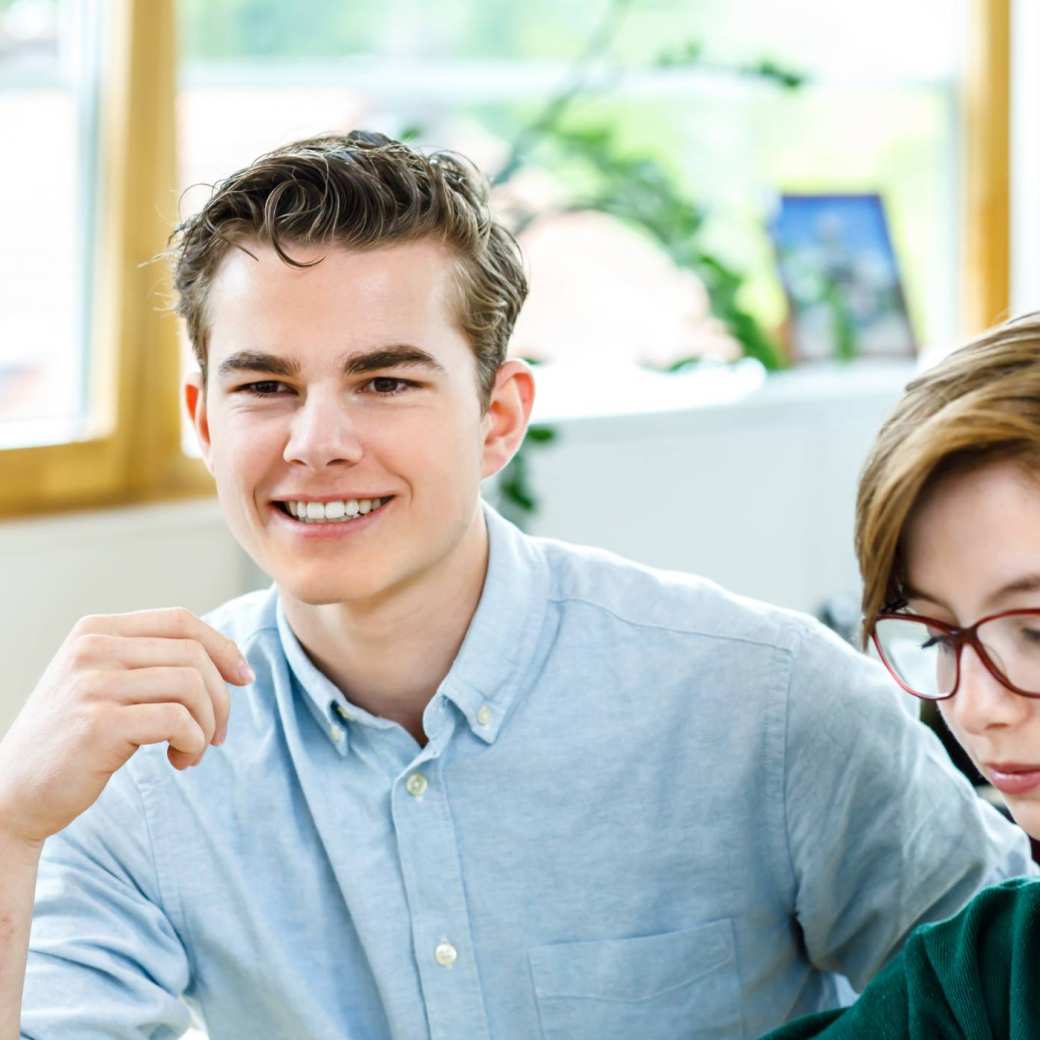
x=316, y=595
x=322, y=590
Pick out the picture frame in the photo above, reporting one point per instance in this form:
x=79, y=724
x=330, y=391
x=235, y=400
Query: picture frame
x=841, y=277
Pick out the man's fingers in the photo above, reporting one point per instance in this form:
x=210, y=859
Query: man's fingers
x=156, y=652
x=181, y=760
x=148, y=640
x=173, y=623
x=172, y=722
x=183, y=686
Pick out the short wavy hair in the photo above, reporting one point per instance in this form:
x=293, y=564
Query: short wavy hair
x=980, y=405
x=359, y=191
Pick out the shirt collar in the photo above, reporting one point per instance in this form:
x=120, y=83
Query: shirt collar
x=496, y=656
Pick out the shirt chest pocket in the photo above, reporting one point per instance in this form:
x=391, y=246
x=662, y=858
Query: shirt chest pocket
x=657, y=987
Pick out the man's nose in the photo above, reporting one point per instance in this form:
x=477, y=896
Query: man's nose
x=982, y=701
x=323, y=433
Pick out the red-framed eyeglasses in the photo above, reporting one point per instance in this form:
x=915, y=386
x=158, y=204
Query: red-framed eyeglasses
x=923, y=654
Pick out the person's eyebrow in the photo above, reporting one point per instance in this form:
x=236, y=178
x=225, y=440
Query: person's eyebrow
x=910, y=592
x=401, y=355
x=1027, y=583
x=257, y=361
x=396, y=356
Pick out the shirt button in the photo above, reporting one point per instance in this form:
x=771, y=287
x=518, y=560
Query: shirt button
x=343, y=713
x=484, y=715
x=445, y=954
x=336, y=733
x=416, y=785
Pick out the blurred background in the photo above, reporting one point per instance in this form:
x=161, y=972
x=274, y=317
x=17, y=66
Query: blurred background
x=746, y=225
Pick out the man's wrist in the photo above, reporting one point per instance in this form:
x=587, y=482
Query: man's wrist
x=15, y=844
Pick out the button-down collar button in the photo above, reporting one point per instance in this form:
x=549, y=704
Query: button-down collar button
x=416, y=785
x=343, y=713
x=484, y=715
x=445, y=954
x=337, y=734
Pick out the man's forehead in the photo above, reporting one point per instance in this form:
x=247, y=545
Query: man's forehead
x=352, y=312
x=390, y=294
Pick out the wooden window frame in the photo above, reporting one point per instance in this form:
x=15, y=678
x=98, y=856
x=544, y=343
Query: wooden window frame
x=135, y=362
x=987, y=163
x=135, y=342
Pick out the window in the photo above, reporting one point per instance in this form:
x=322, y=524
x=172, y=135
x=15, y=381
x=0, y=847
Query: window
x=882, y=109
x=48, y=108
x=102, y=424
x=908, y=99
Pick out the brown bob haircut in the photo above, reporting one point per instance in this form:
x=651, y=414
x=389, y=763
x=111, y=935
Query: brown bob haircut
x=359, y=191
x=980, y=405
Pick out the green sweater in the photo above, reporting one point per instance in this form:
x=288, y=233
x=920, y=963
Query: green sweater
x=975, y=976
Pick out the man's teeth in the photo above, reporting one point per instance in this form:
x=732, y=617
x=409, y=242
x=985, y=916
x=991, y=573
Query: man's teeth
x=322, y=512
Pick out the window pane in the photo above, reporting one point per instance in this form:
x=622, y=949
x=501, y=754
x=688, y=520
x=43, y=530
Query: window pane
x=47, y=113
x=880, y=112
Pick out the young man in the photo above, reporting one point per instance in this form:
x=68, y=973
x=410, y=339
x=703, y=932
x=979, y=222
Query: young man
x=469, y=783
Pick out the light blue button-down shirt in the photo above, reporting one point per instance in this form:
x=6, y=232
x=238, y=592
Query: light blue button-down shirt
x=646, y=809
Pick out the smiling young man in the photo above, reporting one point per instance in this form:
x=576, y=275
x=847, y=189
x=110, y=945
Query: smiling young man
x=473, y=784
x=348, y=432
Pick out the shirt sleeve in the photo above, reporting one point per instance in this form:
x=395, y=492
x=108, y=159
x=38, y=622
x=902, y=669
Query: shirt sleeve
x=104, y=959
x=970, y=976
x=884, y=833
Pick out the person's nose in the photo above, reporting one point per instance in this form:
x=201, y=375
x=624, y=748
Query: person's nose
x=323, y=432
x=982, y=701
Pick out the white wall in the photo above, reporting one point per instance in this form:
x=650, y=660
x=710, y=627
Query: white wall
x=56, y=569
x=758, y=494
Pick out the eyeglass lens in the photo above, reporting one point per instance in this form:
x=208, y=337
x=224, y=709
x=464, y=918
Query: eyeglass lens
x=924, y=656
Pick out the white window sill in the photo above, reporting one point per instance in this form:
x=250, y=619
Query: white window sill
x=569, y=394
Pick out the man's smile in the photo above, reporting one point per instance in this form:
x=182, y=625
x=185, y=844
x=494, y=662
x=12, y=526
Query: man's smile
x=326, y=516
x=320, y=510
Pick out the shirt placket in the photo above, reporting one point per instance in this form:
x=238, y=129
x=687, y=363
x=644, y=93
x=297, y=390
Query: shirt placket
x=441, y=932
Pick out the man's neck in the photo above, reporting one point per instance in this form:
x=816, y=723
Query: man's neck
x=389, y=657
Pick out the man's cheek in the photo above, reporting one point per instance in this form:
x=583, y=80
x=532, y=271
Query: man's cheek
x=446, y=472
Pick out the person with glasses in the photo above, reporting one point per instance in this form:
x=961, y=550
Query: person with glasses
x=948, y=540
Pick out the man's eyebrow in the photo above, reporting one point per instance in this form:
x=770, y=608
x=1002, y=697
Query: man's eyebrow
x=257, y=361
x=397, y=356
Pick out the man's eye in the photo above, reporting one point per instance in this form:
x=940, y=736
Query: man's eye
x=265, y=388
x=388, y=386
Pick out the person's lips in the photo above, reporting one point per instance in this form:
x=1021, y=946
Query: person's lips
x=338, y=519
x=1013, y=777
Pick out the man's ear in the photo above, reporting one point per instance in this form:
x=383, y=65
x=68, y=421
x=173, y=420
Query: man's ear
x=195, y=402
x=505, y=421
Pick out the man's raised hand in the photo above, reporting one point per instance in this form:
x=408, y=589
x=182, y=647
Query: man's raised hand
x=119, y=681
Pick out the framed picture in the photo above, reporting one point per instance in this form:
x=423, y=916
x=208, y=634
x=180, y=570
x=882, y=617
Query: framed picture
x=841, y=278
